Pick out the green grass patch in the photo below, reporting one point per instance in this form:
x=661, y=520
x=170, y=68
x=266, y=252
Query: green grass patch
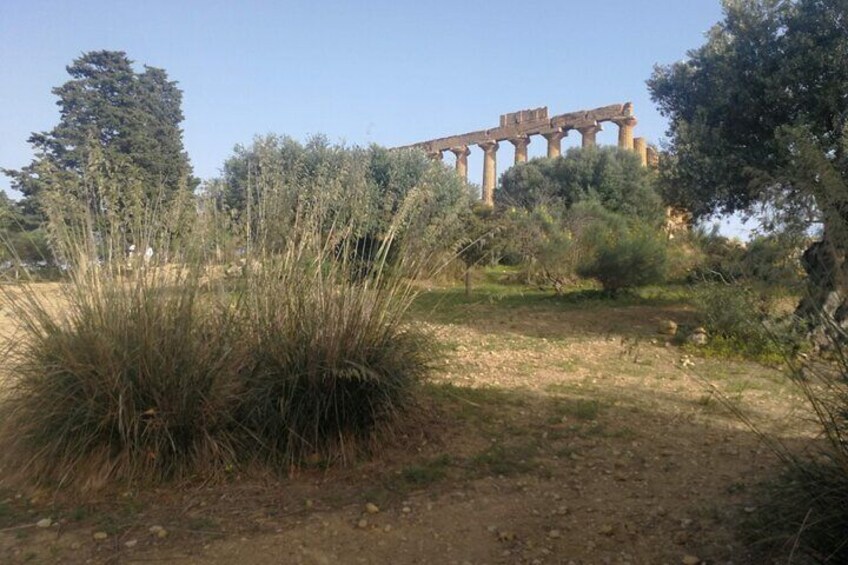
x=449, y=304
x=580, y=409
x=202, y=523
x=505, y=460
x=767, y=353
x=426, y=473
x=566, y=388
x=474, y=397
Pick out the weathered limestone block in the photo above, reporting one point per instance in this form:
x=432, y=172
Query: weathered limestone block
x=523, y=116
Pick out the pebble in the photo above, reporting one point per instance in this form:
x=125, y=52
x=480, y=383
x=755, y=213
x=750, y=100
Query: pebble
x=158, y=531
x=667, y=327
x=44, y=523
x=506, y=536
x=100, y=536
x=690, y=560
x=607, y=530
x=407, y=509
x=372, y=508
x=363, y=523
x=553, y=534
x=131, y=543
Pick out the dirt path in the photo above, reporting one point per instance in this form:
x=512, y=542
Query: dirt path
x=560, y=437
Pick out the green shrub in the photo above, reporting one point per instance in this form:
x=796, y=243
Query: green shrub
x=265, y=184
x=719, y=257
x=550, y=251
x=774, y=260
x=739, y=322
x=624, y=255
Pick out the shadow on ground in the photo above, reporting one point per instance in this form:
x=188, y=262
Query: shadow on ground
x=505, y=476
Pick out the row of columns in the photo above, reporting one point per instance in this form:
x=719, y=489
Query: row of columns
x=554, y=139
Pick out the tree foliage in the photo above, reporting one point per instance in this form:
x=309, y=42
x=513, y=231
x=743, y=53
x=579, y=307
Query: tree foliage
x=768, y=85
x=113, y=118
x=365, y=189
x=21, y=238
x=614, y=178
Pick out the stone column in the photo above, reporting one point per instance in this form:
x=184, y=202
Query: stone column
x=554, y=143
x=490, y=171
x=640, y=146
x=462, y=152
x=589, y=133
x=521, y=142
x=625, y=133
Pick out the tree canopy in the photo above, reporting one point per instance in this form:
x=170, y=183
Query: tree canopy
x=750, y=108
x=614, y=178
x=115, y=121
x=275, y=178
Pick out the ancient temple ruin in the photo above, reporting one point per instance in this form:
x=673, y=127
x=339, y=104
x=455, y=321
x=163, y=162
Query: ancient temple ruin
x=517, y=128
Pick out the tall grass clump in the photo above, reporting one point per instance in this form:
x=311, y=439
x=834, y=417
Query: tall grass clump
x=804, y=510
x=126, y=375
x=147, y=369
x=334, y=363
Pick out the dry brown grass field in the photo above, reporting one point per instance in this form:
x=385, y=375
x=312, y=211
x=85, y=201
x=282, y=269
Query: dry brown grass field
x=557, y=431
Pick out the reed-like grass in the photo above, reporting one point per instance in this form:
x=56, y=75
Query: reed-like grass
x=121, y=377
x=152, y=372
x=334, y=363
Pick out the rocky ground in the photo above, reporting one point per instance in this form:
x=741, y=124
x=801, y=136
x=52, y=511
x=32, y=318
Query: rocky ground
x=555, y=433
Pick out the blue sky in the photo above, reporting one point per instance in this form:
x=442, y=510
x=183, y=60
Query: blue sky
x=389, y=72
